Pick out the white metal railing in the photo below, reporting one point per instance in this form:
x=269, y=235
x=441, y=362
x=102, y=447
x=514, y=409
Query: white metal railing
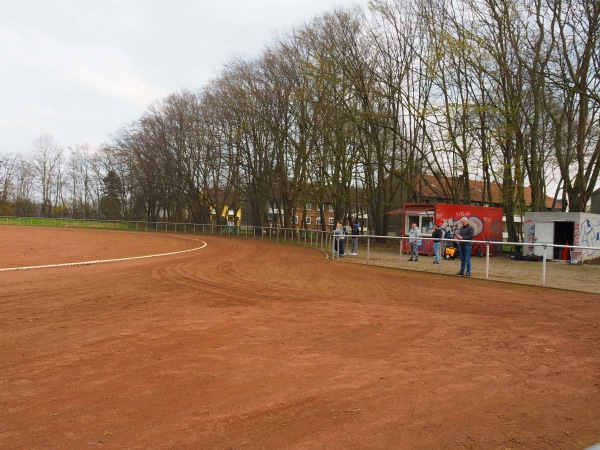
x=303, y=236
x=443, y=242
x=323, y=240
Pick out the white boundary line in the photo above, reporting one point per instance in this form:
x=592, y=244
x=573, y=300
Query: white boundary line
x=101, y=261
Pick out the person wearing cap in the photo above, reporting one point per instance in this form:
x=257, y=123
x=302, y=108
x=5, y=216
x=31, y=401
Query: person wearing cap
x=436, y=236
x=465, y=233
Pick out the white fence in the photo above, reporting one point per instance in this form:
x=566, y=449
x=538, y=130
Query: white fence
x=312, y=238
x=574, y=252
x=374, y=250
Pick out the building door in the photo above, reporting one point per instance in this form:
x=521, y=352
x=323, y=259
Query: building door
x=544, y=234
x=564, y=233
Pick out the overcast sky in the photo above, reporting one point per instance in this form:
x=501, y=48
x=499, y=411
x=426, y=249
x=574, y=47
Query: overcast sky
x=79, y=70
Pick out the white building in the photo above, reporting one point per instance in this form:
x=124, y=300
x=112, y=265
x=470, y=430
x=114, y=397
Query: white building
x=561, y=228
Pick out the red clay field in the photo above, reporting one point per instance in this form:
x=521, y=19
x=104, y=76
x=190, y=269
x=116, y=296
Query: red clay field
x=232, y=343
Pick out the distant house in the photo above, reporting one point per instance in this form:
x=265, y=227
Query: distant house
x=311, y=215
x=232, y=217
x=432, y=191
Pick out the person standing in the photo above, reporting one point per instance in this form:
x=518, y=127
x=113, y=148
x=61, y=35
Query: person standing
x=338, y=234
x=413, y=242
x=437, y=236
x=355, y=234
x=465, y=233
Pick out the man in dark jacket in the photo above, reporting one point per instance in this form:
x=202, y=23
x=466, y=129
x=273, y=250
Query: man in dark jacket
x=465, y=233
x=355, y=234
x=437, y=236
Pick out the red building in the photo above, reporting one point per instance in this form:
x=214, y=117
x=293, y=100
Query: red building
x=487, y=222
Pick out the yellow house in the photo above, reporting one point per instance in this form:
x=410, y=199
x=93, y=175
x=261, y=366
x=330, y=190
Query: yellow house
x=232, y=217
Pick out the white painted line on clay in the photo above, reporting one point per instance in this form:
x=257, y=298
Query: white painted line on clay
x=101, y=261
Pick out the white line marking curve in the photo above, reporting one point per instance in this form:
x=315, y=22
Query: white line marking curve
x=101, y=261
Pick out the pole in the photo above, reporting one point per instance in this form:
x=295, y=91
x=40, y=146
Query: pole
x=544, y=267
x=442, y=246
x=487, y=260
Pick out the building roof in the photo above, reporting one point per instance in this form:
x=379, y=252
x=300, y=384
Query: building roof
x=413, y=208
x=430, y=188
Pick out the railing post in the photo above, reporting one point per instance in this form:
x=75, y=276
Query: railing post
x=544, y=266
x=487, y=260
x=333, y=242
x=442, y=247
x=400, y=258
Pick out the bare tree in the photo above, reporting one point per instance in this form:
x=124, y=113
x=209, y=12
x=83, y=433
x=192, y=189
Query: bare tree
x=25, y=176
x=8, y=169
x=572, y=101
x=329, y=117
x=46, y=161
x=402, y=106
x=239, y=90
x=118, y=159
x=82, y=182
x=216, y=159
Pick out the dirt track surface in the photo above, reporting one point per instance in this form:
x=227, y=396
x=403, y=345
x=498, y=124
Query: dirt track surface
x=247, y=344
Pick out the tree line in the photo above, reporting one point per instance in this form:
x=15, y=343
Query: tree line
x=354, y=108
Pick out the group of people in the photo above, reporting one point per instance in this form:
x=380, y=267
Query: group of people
x=464, y=234
x=340, y=239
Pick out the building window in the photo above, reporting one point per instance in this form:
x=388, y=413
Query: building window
x=318, y=221
x=331, y=221
x=308, y=220
x=330, y=207
x=424, y=224
x=295, y=219
x=409, y=222
x=318, y=207
x=308, y=206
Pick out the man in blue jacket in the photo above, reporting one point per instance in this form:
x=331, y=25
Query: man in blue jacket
x=465, y=233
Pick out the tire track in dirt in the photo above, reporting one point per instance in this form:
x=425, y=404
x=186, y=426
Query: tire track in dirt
x=164, y=353
x=201, y=273
x=221, y=272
